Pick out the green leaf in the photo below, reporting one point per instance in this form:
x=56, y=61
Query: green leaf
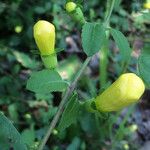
x=123, y=44
x=28, y=136
x=117, y=4
x=93, y=36
x=144, y=17
x=44, y=96
x=68, y=67
x=144, y=66
x=46, y=81
x=25, y=60
x=12, y=109
x=9, y=136
x=75, y=144
x=70, y=113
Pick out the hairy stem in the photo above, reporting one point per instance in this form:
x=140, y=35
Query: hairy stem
x=67, y=94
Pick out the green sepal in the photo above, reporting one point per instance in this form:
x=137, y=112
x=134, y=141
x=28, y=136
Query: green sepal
x=89, y=105
x=50, y=61
x=77, y=15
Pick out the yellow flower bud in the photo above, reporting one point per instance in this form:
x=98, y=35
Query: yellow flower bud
x=126, y=90
x=147, y=5
x=75, y=12
x=70, y=6
x=44, y=34
x=18, y=29
x=126, y=146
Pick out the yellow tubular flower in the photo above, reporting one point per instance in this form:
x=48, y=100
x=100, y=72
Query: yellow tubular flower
x=44, y=35
x=126, y=90
x=147, y=5
x=70, y=6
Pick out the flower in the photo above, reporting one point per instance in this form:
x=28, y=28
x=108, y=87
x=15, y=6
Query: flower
x=147, y=5
x=75, y=12
x=44, y=34
x=126, y=90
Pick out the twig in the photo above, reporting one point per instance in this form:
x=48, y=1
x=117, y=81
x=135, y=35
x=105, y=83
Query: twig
x=68, y=92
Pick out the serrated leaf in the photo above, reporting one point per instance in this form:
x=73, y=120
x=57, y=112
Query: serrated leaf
x=25, y=60
x=70, y=113
x=144, y=66
x=46, y=81
x=93, y=36
x=122, y=44
x=9, y=136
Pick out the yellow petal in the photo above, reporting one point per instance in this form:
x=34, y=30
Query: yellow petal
x=44, y=34
x=127, y=89
x=147, y=5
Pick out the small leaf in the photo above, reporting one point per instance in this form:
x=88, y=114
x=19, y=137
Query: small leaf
x=70, y=113
x=25, y=60
x=46, y=81
x=123, y=44
x=9, y=136
x=144, y=66
x=93, y=36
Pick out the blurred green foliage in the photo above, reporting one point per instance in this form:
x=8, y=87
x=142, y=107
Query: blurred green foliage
x=31, y=114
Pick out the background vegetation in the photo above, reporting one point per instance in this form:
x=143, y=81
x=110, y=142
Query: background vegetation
x=31, y=114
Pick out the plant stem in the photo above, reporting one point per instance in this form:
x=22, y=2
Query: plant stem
x=110, y=6
x=103, y=64
x=67, y=94
x=104, y=51
x=119, y=134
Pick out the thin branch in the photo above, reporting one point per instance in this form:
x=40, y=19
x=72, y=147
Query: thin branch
x=109, y=12
x=68, y=92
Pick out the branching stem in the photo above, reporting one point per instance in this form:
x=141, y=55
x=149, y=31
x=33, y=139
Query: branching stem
x=71, y=88
x=67, y=94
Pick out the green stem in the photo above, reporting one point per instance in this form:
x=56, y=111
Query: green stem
x=67, y=94
x=103, y=64
x=78, y=16
x=119, y=135
x=124, y=67
x=110, y=6
x=104, y=51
